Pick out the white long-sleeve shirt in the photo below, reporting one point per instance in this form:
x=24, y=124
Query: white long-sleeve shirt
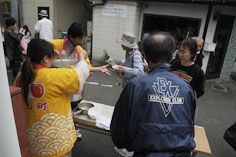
x=45, y=29
x=27, y=37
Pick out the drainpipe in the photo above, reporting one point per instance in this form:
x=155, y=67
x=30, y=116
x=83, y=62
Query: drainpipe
x=207, y=21
x=94, y=5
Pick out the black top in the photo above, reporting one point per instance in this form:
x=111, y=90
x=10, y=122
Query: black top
x=12, y=45
x=198, y=59
x=192, y=74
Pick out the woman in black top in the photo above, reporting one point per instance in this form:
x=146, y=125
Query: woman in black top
x=187, y=69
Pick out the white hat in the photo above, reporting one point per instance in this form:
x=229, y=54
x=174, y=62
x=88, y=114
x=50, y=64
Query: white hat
x=128, y=40
x=43, y=13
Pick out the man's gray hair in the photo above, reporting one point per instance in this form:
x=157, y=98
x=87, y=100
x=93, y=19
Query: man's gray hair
x=198, y=38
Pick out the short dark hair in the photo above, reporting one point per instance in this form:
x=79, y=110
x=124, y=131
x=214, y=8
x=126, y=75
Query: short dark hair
x=159, y=50
x=191, y=44
x=75, y=30
x=10, y=21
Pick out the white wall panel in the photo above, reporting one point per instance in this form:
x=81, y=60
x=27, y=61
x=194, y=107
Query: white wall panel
x=62, y=13
x=178, y=9
x=226, y=10
x=106, y=29
x=29, y=12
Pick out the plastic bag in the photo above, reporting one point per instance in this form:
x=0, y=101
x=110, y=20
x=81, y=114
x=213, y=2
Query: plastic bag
x=230, y=136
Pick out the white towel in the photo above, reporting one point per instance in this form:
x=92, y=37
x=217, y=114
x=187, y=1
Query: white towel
x=103, y=122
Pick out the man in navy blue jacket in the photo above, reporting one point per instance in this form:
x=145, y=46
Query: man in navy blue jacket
x=154, y=116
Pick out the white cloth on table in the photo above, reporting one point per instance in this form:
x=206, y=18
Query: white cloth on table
x=103, y=122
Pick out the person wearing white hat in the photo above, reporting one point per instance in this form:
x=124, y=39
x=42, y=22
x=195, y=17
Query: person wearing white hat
x=133, y=65
x=44, y=26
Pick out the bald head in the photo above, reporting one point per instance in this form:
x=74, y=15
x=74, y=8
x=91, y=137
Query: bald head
x=158, y=47
x=199, y=42
x=159, y=37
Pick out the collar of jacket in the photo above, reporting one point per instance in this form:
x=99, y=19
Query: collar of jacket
x=10, y=31
x=160, y=67
x=38, y=66
x=131, y=52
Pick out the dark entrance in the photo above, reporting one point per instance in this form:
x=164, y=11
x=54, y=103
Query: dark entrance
x=179, y=27
x=43, y=8
x=221, y=38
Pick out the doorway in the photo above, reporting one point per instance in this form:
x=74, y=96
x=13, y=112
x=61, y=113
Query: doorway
x=179, y=27
x=221, y=38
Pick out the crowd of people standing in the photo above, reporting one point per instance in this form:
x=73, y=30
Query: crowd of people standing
x=155, y=113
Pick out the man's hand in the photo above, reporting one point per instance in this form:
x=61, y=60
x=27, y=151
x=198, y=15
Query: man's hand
x=104, y=69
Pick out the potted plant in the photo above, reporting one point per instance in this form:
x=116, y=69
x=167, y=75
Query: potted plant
x=108, y=59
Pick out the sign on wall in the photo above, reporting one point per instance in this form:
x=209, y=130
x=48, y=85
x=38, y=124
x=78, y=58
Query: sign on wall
x=116, y=10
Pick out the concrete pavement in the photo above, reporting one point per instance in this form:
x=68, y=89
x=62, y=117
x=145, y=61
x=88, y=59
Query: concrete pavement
x=216, y=112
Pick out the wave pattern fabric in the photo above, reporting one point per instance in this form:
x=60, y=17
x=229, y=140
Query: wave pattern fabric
x=51, y=135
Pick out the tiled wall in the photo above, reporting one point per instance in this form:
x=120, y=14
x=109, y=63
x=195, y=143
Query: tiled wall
x=107, y=29
x=230, y=56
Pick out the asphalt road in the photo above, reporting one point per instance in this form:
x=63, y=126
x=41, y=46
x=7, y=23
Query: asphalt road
x=103, y=89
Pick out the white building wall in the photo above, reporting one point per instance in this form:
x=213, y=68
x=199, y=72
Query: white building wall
x=225, y=10
x=191, y=11
x=137, y=23
x=178, y=9
x=107, y=29
x=67, y=12
x=181, y=10
x=29, y=12
x=62, y=13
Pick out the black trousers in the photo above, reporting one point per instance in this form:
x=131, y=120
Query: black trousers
x=15, y=67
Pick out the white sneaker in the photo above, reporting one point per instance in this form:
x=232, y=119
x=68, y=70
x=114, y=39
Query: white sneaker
x=78, y=134
x=124, y=152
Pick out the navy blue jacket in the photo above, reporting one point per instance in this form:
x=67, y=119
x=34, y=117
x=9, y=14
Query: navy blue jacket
x=155, y=115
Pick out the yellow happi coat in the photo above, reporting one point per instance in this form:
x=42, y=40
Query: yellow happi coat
x=49, y=122
x=58, y=45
